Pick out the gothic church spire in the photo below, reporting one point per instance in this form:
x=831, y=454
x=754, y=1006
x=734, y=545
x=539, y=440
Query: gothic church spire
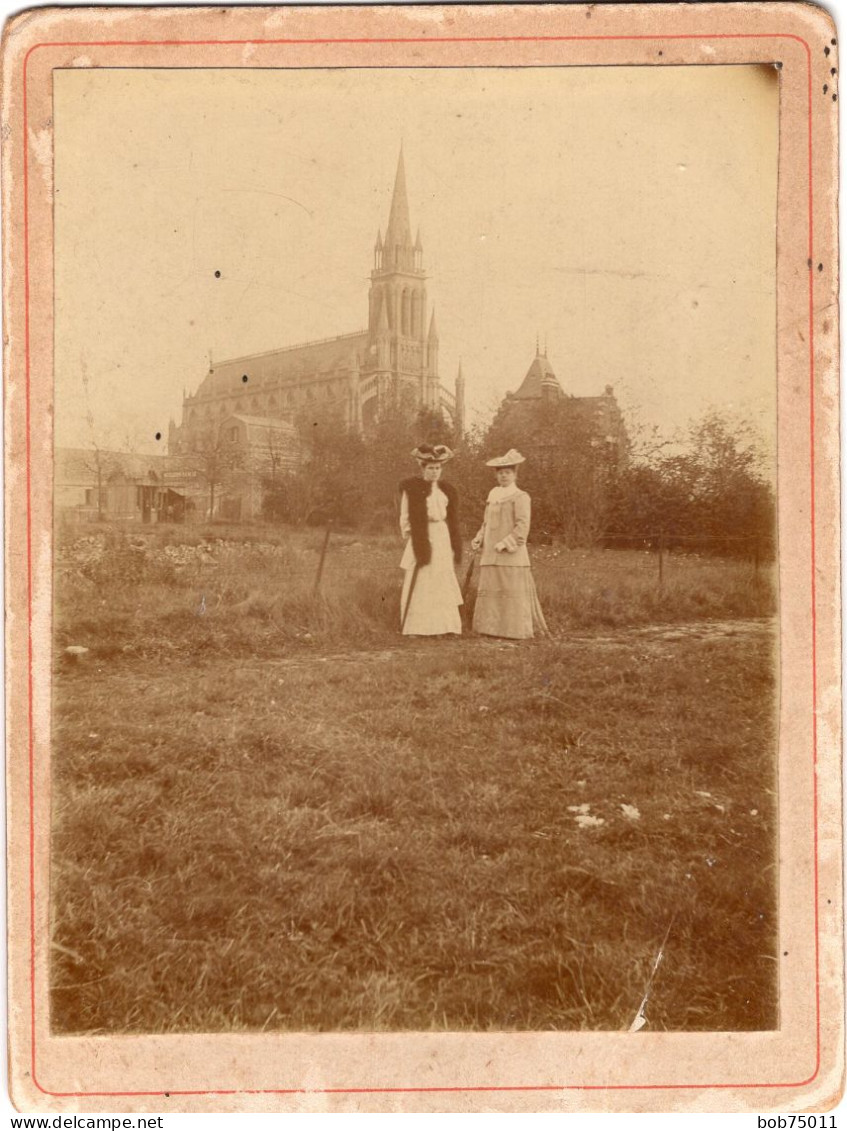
x=399, y=231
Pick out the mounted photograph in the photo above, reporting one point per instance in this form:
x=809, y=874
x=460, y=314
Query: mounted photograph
x=336, y=805
x=418, y=589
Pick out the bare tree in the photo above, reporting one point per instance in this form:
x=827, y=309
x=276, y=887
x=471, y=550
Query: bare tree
x=100, y=462
x=215, y=462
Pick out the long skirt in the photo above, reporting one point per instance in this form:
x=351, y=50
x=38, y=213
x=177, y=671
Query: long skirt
x=507, y=603
x=434, y=609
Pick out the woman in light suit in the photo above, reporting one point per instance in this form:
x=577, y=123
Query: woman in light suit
x=507, y=603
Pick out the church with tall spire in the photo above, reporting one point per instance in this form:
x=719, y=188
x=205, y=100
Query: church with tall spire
x=358, y=376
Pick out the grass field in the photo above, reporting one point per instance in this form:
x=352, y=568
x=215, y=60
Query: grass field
x=272, y=812
x=181, y=591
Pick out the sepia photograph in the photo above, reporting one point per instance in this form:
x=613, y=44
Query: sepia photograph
x=419, y=645
x=414, y=591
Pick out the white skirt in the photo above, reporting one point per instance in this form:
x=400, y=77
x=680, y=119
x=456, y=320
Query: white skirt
x=434, y=608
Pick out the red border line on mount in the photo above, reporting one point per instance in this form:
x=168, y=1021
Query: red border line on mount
x=30, y=723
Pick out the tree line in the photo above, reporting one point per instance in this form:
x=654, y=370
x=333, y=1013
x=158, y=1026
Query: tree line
x=709, y=487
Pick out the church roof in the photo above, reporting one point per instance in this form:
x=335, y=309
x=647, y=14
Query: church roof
x=287, y=365
x=539, y=375
x=273, y=422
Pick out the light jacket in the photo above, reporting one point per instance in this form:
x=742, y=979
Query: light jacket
x=506, y=524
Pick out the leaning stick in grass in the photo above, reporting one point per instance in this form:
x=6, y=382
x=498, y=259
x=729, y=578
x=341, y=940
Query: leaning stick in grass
x=467, y=583
x=409, y=598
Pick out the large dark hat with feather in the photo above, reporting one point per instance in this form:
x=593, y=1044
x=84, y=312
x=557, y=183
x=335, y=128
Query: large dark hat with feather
x=432, y=453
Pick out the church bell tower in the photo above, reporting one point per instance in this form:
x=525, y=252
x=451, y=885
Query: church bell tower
x=397, y=368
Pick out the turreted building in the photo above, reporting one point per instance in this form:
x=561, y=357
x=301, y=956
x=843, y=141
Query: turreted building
x=540, y=395
x=358, y=375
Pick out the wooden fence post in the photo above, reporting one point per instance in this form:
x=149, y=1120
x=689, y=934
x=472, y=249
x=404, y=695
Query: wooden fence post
x=322, y=559
x=661, y=560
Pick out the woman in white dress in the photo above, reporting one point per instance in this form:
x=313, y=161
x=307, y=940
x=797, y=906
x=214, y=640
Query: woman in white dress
x=429, y=521
x=507, y=603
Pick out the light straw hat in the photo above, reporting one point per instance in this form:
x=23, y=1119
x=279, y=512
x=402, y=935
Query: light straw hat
x=511, y=459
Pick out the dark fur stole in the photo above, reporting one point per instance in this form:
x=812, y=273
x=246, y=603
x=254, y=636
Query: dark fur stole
x=417, y=491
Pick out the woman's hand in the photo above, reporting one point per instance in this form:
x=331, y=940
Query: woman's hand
x=476, y=543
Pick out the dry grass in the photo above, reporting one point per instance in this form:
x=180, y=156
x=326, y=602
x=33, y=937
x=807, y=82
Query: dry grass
x=259, y=829
x=246, y=593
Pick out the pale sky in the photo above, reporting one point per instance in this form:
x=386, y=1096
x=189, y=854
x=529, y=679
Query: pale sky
x=625, y=214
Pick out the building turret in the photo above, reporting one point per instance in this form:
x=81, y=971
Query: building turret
x=540, y=380
x=383, y=335
x=354, y=408
x=432, y=347
x=551, y=390
x=459, y=415
x=431, y=395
